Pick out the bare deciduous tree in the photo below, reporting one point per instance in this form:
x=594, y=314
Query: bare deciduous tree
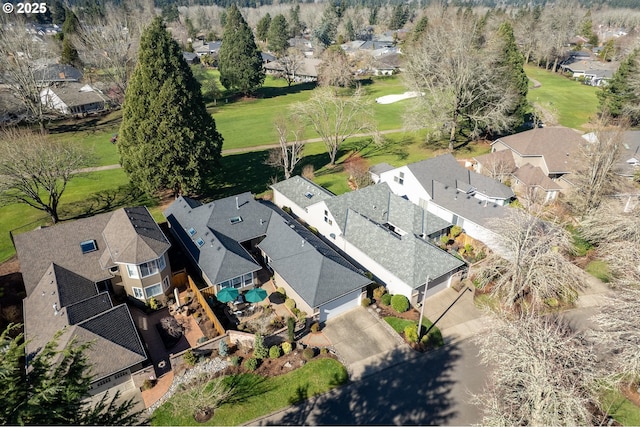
x=111, y=44
x=336, y=118
x=290, y=130
x=616, y=234
x=35, y=170
x=291, y=63
x=595, y=176
x=202, y=395
x=461, y=82
x=531, y=268
x=617, y=331
x=358, y=171
x=543, y=373
x=23, y=58
x=334, y=69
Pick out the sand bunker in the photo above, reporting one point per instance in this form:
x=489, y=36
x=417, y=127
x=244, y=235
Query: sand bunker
x=390, y=99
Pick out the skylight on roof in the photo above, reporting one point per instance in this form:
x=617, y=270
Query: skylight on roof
x=308, y=195
x=235, y=219
x=191, y=231
x=88, y=246
x=200, y=243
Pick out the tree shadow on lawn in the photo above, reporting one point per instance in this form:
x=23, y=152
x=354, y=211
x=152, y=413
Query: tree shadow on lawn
x=418, y=390
x=106, y=201
x=92, y=124
x=238, y=173
x=265, y=92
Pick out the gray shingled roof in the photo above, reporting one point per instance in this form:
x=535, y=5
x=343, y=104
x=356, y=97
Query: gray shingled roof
x=88, y=308
x=60, y=244
x=467, y=206
x=221, y=257
x=380, y=168
x=73, y=95
x=558, y=145
x=447, y=170
x=297, y=189
x=60, y=73
x=630, y=150
x=409, y=258
x=315, y=271
x=378, y=203
x=533, y=175
x=133, y=237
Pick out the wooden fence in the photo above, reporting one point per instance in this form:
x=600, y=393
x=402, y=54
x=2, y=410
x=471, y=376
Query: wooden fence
x=179, y=278
x=205, y=305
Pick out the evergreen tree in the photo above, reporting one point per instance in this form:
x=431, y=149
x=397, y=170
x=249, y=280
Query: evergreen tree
x=262, y=30
x=53, y=390
x=239, y=60
x=348, y=28
x=278, y=35
x=512, y=61
x=326, y=32
x=167, y=138
x=620, y=98
x=398, y=17
x=586, y=29
x=69, y=53
x=420, y=27
x=295, y=24
x=71, y=23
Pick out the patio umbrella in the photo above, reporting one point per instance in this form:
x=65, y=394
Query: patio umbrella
x=227, y=294
x=255, y=295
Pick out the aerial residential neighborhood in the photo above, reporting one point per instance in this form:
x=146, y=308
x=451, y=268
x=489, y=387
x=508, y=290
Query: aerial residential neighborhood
x=330, y=213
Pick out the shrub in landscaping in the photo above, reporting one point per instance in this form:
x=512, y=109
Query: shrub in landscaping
x=223, y=348
x=324, y=350
x=315, y=327
x=313, y=230
x=259, y=350
x=308, y=353
x=379, y=292
x=366, y=302
x=411, y=333
x=302, y=316
x=274, y=352
x=147, y=384
x=444, y=239
x=287, y=209
x=290, y=303
x=287, y=347
x=235, y=360
x=456, y=230
x=189, y=358
x=291, y=328
x=281, y=291
x=386, y=299
x=251, y=364
x=400, y=303
x=433, y=338
x=153, y=304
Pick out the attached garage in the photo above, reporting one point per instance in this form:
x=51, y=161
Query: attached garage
x=339, y=305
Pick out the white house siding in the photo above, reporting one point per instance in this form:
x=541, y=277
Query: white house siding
x=50, y=99
x=410, y=187
x=340, y=305
x=281, y=200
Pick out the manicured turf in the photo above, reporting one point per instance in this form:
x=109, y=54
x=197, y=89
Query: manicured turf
x=574, y=102
x=262, y=396
x=622, y=409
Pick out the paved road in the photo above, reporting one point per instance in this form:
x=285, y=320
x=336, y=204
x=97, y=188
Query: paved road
x=425, y=389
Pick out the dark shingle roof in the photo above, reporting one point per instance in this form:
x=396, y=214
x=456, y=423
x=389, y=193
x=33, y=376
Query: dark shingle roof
x=301, y=191
x=315, y=271
x=133, y=237
x=447, y=170
x=60, y=73
x=72, y=287
x=88, y=308
x=380, y=168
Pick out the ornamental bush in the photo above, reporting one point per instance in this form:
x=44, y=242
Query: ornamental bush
x=308, y=353
x=386, y=299
x=379, y=292
x=223, y=348
x=235, y=360
x=400, y=303
x=189, y=358
x=291, y=329
x=259, y=350
x=281, y=291
x=366, y=302
x=286, y=347
x=274, y=352
x=411, y=333
x=455, y=231
x=251, y=364
x=290, y=303
x=315, y=327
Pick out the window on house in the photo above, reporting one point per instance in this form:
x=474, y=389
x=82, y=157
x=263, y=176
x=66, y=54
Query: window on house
x=137, y=292
x=308, y=195
x=247, y=279
x=401, y=178
x=235, y=219
x=161, y=263
x=88, y=246
x=165, y=283
x=200, y=243
x=132, y=270
x=192, y=231
x=326, y=218
x=154, y=290
x=149, y=268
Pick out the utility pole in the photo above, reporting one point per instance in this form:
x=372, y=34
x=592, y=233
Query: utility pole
x=424, y=298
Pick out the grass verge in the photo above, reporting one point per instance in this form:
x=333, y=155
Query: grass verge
x=622, y=409
x=399, y=325
x=599, y=269
x=262, y=396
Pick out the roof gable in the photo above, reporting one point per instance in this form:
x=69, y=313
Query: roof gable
x=301, y=191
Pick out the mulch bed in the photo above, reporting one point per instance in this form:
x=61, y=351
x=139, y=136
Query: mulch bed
x=387, y=310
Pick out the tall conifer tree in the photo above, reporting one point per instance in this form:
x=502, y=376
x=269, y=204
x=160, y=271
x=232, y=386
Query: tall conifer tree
x=239, y=60
x=278, y=35
x=512, y=61
x=620, y=98
x=167, y=140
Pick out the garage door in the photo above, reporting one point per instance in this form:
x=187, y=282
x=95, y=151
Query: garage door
x=339, y=306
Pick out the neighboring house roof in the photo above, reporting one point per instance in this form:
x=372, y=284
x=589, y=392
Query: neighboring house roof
x=378, y=203
x=301, y=191
x=498, y=161
x=220, y=254
x=481, y=212
x=380, y=168
x=315, y=271
x=390, y=61
x=267, y=57
x=628, y=162
x=133, y=237
x=60, y=73
x=448, y=171
x=189, y=56
x=409, y=258
x=557, y=145
x=534, y=176
x=308, y=67
x=77, y=94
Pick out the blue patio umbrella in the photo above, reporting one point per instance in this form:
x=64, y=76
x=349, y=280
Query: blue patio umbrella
x=255, y=295
x=227, y=294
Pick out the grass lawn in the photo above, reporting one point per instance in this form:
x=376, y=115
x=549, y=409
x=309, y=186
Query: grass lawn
x=261, y=396
x=599, y=269
x=399, y=325
x=622, y=409
x=574, y=102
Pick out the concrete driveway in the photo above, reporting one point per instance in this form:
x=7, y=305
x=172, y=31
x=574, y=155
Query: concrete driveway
x=360, y=339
